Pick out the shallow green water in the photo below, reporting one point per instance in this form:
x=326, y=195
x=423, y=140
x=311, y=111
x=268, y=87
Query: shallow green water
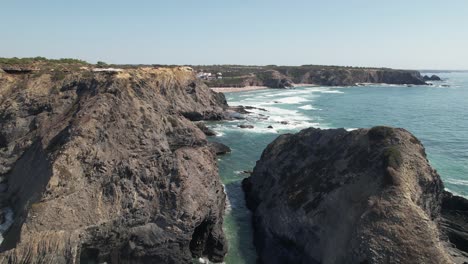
x=437, y=115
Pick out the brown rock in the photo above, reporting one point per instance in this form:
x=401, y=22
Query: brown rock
x=365, y=196
x=106, y=168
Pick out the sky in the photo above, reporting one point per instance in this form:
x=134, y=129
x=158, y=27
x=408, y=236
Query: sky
x=407, y=34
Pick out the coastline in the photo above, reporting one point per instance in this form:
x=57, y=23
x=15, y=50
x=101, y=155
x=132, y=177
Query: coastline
x=237, y=89
x=304, y=85
x=253, y=88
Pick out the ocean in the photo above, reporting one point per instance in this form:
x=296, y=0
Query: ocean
x=437, y=115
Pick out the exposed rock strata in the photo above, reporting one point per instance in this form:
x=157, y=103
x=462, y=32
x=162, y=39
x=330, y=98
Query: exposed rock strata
x=365, y=196
x=106, y=168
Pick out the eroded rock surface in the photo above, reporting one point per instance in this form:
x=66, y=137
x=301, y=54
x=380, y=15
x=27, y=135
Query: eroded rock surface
x=365, y=196
x=108, y=168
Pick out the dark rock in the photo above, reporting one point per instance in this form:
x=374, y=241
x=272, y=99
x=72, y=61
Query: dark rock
x=284, y=122
x=193, y=116
x=454, y=224
x=219, y=148
x=432, y=78
x=253, y=107
x=208, y=132
x=232, y=115
x=365, y=196
x=18, y=70
x=106, y=168
x=270, y=127
x=246, y=126
x=239, y=109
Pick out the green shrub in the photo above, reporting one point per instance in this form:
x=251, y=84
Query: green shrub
x=393, y=157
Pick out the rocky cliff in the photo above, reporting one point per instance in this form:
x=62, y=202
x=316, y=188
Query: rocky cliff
x=366, y=196
x=107, y=167
x=342, y=76
x=286, y=76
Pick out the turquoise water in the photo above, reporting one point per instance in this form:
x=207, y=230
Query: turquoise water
x=437, y=115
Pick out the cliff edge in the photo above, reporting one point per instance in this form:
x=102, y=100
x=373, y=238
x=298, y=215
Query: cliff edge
x=107, y=167
x=365, y=196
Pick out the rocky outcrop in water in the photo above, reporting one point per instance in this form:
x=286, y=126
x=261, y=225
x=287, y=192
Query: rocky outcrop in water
x=432, y=78
x=365, y=196
x=219, y=148
x=107, y=167
x=208, y=132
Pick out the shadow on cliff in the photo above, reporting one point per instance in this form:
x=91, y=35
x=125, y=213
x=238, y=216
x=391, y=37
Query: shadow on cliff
x=26, y=183
x=242, y=222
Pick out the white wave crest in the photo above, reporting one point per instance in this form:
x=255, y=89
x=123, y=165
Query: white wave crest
x=307, y=107
x=332, y=92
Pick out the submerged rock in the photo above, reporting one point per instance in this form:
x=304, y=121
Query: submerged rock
x=106, y=168
x=246, y=126
x=365, y=196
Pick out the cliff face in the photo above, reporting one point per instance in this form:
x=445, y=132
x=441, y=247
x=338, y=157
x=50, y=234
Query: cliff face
x=366, y=196
x=287, y=76
x=345, y=77
x=107, y=167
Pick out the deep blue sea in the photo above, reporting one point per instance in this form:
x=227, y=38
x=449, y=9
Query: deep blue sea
x=437, y=115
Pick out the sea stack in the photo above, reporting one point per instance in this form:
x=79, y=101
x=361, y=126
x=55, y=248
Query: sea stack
x=107, y=167
x=365, y=196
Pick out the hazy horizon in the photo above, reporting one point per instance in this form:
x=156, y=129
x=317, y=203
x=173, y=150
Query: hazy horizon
x=421, y=35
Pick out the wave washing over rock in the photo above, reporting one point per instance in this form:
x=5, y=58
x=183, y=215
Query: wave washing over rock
x=365, y=196
x=107, y=167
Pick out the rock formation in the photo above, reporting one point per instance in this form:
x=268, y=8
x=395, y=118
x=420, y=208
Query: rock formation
x=219, y=148
x=107, y=167
x=286, y=76
x=432, y=78
x=208, y=132
x=365, y=196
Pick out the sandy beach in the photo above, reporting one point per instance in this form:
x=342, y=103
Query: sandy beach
x=237, y=89
x=252, y=88
x=303, y=84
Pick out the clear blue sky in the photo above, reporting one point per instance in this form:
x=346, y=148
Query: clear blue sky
x=400, y=34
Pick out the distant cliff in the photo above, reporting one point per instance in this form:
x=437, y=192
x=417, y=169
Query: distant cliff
x=106, y=166
x=287, y=76
x=365, y=196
